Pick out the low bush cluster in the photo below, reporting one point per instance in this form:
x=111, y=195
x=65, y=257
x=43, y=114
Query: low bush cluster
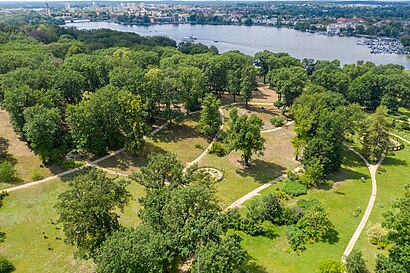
x=294, y=188
x=278, y=121
x=218, y=149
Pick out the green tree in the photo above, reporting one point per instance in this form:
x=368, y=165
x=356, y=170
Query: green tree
x=42, y=128
x=227, y=256
x=376, y=138
x=398, y=223
x=133, y=250
x=7, y=172
x=134, y=124
x=87, y=209
x=5, y=265
x=247, y=83
x=245, y=135
x=210, y=120
x=355, y=263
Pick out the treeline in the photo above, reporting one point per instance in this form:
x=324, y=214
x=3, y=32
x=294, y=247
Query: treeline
x=89, y=92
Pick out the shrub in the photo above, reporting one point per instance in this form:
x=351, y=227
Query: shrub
x=376, y=234
x=278, y=121
x=296, y=238
x=330, y=266
x=198, y=146
x=36, y=175
x=217, y=149
x=7, y=172
x=355, y=263
x=403, y=126
x=294, y=188
x=403, y=118
x=5, y=265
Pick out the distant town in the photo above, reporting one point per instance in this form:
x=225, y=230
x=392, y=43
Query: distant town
x=381, y=24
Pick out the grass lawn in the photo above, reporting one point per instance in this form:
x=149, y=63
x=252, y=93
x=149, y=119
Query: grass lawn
x=27, y=213
x=277, y=158
x=180, y=139
x=273, y=254
x=391, y=179
x=17, y=151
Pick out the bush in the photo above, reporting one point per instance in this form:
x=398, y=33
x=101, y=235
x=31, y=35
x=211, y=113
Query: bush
x=5, y=265
x=198, y=146
x=403, y=118
x=36, y=175
x=376, y=234
x=296, y=238
x=278, y=121
x=355, y=263
x=403, y=126
x=294, y=188
x=217, y=149
x=7, y=172
x=330, y=266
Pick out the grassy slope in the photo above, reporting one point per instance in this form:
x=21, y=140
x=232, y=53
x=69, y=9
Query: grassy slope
x=273, y=255
x=390, y=186
x=28, y=213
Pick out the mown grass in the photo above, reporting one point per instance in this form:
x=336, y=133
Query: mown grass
x=274, y=254
x=238, y=181
x=391, y=179
x=27, y=216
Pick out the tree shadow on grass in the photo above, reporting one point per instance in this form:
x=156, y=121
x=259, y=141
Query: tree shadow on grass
x=255, y=268
x=175, y=132
x=332, y=237
x=394, y=161
x=261, y=170
x=345, y=174
x=4, y=154
x=125, y=160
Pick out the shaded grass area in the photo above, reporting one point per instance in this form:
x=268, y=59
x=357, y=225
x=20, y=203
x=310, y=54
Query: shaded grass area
x=18, y=153
x=180, y=139
x=274, y=255
x=27, y=216
x=238, y=181
x=391, y=179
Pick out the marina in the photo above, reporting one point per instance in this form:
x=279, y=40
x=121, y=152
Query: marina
x=383, y=46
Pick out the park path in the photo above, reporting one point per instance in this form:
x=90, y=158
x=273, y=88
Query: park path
x=238, y=203
x=365, y=218
x=405, y=140
x=92, y=163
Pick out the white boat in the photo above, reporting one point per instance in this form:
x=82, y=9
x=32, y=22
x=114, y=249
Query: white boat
x=189, y=39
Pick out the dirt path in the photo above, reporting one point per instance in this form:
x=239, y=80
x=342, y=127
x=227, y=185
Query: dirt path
x=365, y=218
x=92, y=163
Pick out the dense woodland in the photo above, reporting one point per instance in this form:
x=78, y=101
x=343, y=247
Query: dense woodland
x=99, y=90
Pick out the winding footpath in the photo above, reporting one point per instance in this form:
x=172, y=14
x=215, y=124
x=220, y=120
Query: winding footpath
x=365, y=218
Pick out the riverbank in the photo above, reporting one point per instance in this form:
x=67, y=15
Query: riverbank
x=252, y=39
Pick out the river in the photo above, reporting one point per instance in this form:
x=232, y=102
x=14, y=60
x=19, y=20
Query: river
x=250, y=40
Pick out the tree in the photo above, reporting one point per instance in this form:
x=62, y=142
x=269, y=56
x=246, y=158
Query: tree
x=355, y=263
x=247, y=83
x=227, y=256
x=133, y=250
x=398, y=223
x=5, y=265
x=41, y=129
x=192, y=84
x=315, y=223
x=87, y=209
x=134, y=124
x=7, y=172
x=376, y=138
x=245, y=135
x=210, y=120
x=289, y=82
x=332, y=79
x=330, y=266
